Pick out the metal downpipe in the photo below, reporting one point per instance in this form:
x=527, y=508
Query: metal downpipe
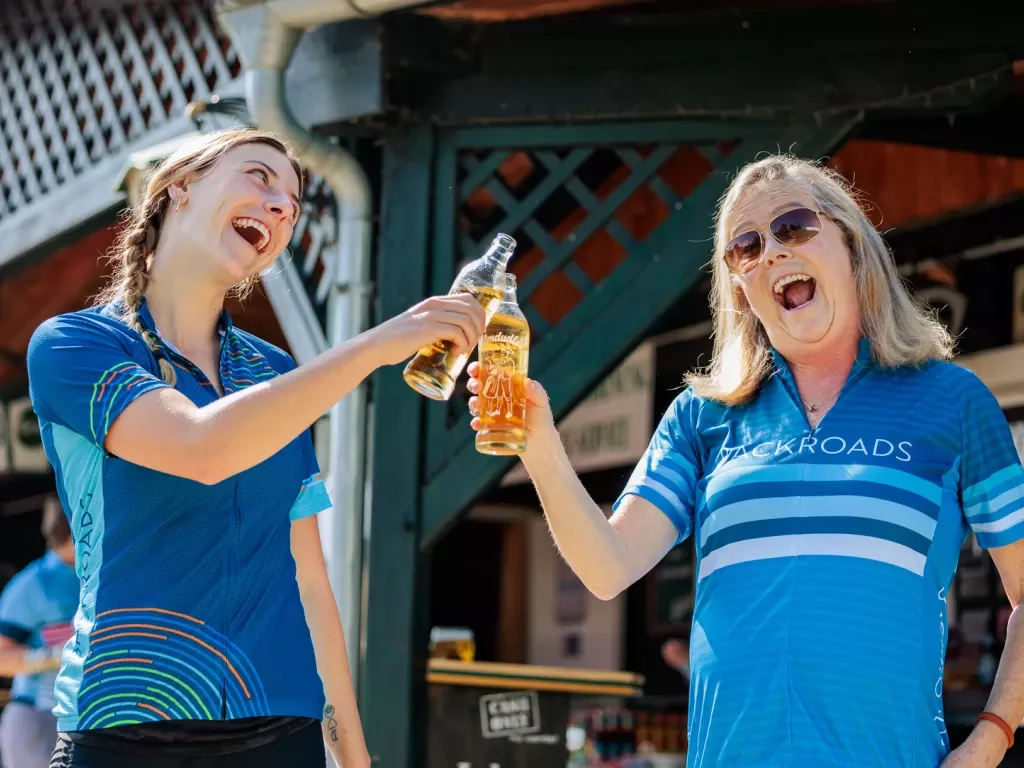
x=348, y=276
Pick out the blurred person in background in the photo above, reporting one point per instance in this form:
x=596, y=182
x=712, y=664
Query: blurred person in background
x=676, y=653
x=36, y=611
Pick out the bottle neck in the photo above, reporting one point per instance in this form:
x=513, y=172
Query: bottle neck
x=499, y=257
x=510, y=296
x=500, y=252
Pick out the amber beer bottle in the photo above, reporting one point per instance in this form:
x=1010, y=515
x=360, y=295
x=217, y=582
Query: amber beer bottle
x=504, y=360
x=434, y=369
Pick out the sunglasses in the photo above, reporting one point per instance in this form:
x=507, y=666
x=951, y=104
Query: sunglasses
x=794, y=227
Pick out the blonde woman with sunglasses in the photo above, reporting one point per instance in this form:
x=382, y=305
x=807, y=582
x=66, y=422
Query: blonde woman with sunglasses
x=829, y=465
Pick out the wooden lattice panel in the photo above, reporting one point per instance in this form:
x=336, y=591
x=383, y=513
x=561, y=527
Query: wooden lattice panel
x=583, y=216
x=576, y=214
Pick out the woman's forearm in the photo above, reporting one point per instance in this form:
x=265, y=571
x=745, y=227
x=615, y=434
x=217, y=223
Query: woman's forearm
x=1007, y=697
x=250, y=426
x=587, y=541
x=165, y=431
x=341, y=724
x=343, y=730
x=22, y=661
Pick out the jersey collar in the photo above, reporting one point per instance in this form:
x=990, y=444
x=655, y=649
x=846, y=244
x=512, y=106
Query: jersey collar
x=224, y=323
x=864, y=360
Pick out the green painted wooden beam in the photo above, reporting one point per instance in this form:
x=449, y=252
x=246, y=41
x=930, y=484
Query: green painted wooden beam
x=780, y=87
x=631, y=132
x=395, y=641
x=585, y=346
x=727, y=39
x=753, y=64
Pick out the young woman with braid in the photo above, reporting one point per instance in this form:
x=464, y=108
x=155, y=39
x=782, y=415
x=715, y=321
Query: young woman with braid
x=206, y=630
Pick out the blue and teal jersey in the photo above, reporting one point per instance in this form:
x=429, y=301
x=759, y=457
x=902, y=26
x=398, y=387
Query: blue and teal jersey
x=189, y=604
x=36, y=609
x=824, y=556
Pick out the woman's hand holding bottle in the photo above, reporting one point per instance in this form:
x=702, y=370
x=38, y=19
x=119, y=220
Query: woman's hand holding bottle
x=540, y=422
x=457, y=318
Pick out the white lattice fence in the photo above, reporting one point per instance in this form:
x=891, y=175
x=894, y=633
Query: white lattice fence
x=80, y=80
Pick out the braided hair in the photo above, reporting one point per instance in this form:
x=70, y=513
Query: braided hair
x=138, y=239
x=137, y=244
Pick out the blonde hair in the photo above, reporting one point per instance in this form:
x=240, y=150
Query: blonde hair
x=141, y=234
x=901, y=330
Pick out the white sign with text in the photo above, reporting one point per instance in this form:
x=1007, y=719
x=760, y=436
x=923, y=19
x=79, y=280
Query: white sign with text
x=27, y=453
x=509, y=714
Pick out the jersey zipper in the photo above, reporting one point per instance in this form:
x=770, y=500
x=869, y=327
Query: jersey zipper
x=230, y=601
x=789, y=384
x=228, y=605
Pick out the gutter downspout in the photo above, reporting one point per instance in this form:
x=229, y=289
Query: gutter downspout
x=266, y=42
x=348, y=276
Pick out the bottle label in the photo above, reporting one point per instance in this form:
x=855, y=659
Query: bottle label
x=502, y=338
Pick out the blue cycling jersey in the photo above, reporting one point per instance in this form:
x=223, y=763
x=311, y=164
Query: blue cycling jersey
x=824, y=556
x=189, y=604
x=36, y=609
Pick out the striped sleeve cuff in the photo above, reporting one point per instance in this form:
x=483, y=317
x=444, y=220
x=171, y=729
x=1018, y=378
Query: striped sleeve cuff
x=117, y=388
x=994, y=508
x=664, y=492
x=312, y=498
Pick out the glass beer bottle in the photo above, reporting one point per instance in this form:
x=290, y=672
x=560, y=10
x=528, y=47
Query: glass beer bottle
x=434, y=369
x=504, y=359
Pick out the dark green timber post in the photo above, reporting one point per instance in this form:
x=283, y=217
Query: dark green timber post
x=394, y=644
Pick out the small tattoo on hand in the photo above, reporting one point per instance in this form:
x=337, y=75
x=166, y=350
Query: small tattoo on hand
x=332, y=724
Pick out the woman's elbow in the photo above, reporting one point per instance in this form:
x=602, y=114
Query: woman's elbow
x=201, y=459
x=606, y=592
x=608, y=584
x=200, y=466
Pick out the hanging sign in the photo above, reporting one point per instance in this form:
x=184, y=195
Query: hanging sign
x=23, y=438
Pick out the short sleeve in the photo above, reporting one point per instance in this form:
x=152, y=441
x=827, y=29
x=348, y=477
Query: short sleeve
x=312, y=496
x=18, y=604
x=82, y=377
x=667, y=473
x=991, y=477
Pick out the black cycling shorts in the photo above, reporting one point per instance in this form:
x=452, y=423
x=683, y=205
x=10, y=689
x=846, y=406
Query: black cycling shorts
x=257, y=746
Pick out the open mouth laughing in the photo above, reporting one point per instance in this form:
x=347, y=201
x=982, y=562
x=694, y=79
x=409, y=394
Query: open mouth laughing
x=794, y=291
x=253, y=231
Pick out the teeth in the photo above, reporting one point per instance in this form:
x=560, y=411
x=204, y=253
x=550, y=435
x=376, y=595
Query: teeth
x=782, y=282
x=258, y=226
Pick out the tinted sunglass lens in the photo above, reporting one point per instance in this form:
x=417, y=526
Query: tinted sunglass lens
x=796, y=227
x=743, y=252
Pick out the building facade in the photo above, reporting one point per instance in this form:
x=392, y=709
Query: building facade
x=599, y=134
